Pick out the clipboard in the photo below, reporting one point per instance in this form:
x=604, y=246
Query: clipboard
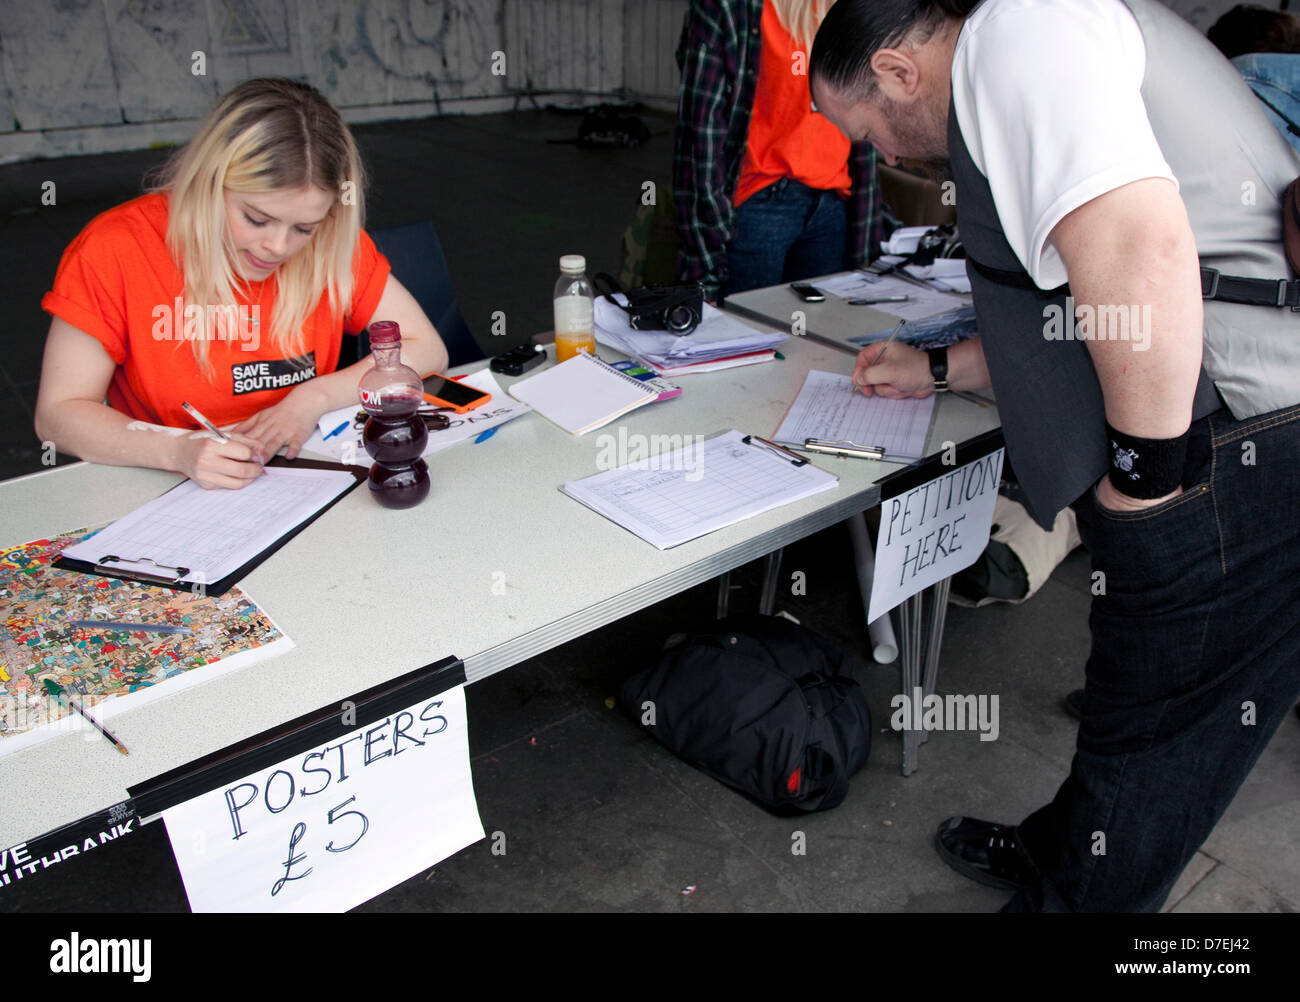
x=144, y=570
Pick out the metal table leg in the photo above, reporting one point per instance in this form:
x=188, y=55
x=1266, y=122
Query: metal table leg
x=919, y=661
x=771, y=571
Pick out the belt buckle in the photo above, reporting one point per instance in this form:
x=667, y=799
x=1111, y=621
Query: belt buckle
x=1214, y=283
x=1281, y=291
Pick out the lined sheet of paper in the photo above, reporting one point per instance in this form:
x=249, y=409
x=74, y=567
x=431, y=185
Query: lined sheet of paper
x=214, y=532
x=829, y=409
x=679, y=496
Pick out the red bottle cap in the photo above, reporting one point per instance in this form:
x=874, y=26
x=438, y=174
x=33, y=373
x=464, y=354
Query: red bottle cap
x=385, y=334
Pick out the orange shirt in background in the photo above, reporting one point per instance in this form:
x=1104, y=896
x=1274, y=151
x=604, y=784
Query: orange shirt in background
x=786, y=137
x=118, y=283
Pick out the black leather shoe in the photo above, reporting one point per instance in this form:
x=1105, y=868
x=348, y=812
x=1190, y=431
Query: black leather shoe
x=986, y=852
x=1073, y=703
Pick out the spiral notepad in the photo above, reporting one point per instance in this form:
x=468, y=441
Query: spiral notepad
x=583, y=393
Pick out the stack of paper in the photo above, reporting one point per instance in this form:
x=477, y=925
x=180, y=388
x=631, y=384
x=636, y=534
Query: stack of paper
x=947, y=274
x=921, y=302
x=719, y=342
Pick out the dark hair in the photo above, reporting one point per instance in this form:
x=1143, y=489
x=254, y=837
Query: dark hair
x=1248, y=28
x=854, y=30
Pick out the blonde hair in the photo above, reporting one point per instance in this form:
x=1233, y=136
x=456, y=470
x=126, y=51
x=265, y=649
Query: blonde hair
x=264, y=135
x=802, y=18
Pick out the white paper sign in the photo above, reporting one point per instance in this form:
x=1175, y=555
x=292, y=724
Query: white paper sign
x=332, y=827
x=934, y=530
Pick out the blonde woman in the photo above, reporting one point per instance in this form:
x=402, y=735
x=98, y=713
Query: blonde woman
x=767, y=190
x=229, y=287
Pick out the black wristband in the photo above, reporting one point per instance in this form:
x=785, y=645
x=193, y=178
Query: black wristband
x=1146, y=468
x=939, y=368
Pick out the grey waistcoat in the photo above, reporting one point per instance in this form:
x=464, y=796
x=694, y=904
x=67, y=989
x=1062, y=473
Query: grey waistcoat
x=1232, y=165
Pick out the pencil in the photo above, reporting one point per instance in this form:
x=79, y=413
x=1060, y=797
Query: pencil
x=105, y=624
x=60, y=694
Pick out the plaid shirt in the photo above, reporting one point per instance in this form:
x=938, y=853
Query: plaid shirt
x=718, y=55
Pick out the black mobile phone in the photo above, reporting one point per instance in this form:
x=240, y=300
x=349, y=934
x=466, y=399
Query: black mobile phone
x=517, y=361
x=808, y=293
x=450, y=393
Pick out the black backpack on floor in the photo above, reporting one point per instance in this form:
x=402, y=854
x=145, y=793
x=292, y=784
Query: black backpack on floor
x=761, y=704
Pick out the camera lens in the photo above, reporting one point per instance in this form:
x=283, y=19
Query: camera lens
x=682, y=319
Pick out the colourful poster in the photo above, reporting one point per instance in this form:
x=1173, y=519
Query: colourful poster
x=108, y=670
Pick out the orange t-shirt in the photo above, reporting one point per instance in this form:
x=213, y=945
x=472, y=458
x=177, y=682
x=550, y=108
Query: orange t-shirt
x=786, y=137
x=118, y=282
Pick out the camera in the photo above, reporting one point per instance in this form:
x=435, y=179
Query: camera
x=677, y=309
x=942, y=241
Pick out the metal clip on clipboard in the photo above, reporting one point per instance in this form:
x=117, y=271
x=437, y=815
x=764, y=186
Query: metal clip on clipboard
x=103, y=561
x=776, y=450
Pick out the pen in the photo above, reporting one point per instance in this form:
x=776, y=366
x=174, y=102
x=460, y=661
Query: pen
x=486, y=435
x=851, y=449
x=106, y=624
x=879, y=299
x=336, y=431
x=60, y=695
x=892, y=334
x=194, y=413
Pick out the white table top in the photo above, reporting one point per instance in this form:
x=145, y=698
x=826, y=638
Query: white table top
x=368, y=594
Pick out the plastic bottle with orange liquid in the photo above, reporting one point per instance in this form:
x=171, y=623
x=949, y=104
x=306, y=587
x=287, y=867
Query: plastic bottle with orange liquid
x=574, y=322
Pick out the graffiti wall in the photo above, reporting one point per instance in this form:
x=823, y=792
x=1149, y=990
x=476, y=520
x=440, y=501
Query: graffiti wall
x=93, y=75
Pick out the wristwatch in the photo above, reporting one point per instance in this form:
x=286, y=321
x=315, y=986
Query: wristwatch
x=939, y=368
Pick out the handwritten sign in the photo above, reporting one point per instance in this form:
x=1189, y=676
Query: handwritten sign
x=334, y=826
x=934, y=530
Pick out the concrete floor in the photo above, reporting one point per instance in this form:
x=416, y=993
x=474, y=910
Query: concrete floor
x=596, y=816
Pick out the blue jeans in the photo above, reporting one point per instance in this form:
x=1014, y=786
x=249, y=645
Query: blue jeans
x=1275, y=76
x=1195, y=660
x=785, y=233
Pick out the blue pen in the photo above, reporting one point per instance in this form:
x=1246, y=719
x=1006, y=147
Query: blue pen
x=336, y=430
x=486, y=435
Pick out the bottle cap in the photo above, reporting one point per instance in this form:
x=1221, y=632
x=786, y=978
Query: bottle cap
x=573, y=264
x=385, y=334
